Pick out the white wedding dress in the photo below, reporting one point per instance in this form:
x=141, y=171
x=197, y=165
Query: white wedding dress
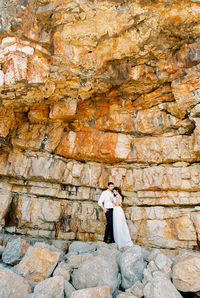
x=120, y=228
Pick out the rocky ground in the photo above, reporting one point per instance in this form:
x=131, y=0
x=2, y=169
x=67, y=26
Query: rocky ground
x=30, y=269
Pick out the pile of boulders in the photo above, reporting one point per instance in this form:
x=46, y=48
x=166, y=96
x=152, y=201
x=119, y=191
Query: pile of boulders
x=95, y=269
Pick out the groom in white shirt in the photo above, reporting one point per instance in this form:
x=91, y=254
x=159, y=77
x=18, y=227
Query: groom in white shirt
x=105, y=202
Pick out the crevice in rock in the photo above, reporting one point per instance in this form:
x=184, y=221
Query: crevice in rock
x=11, y=218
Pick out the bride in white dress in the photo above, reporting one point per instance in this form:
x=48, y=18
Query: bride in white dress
x=120, y=229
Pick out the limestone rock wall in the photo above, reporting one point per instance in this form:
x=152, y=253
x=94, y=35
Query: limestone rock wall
x=92, y=91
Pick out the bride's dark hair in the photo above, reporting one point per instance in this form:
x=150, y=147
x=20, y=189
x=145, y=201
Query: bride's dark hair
x=119, y=191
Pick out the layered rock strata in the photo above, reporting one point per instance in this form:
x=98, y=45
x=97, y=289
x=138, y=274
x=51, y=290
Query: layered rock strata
x=93, y=91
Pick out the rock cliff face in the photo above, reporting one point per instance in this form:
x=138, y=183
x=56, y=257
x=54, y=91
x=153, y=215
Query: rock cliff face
x=92, y=91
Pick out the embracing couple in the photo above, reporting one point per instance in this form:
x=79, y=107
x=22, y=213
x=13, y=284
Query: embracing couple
x=116, y=229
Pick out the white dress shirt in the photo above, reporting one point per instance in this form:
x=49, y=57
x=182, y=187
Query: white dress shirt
x=106, y=199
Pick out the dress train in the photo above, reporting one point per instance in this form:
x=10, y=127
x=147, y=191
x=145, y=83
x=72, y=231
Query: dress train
x=120, y=228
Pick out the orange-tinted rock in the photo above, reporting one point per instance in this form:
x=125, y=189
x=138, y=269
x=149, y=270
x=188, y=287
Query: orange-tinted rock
x=186, y=56
x=37, y=136
x=64, y=110
x=89, y=145
x=149, y=121
x=37, y=264
x=186, y=89
x=15, y=68
x=173, y=149
x=52, y=138
x=29, y=136
x=38, y=115
x=111, y=146
x=7, y=121
x=21, y=62
x=184, y=228
x=163, y=94
x=38, y=69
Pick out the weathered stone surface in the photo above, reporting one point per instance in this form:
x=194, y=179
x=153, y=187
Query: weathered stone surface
x=37, y=264
x=136, y=289
x=93, y=145
x=51, y=287
x=75, y=261
x=64, y=110
x=101, y=292
x=63, y=270
x=7, y=121
x=5, y=198
x=163, y=263
x=131, y=266
x=185, y=95
x=138, y=184
x=21, y=62
x=14, y=251
x=103, y=249
x=81, y=247
x=160, y=286
x=186, y=273
x=12, y=285
x=29, y=211
x=47, y=167
x=69, y=289
x=96, y=271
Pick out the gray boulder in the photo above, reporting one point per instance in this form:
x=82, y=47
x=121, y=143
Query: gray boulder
x=12, y=285
x=74, y=261
x=51, y=287
x=152, y=254
x=95, y=272
x=69, y=289
x=132, y=265
x=186, y=272
x=63, y=269
x=14, y=251
x=104, y=249
x=160, y=286
x=161, y=261
x=79, y=247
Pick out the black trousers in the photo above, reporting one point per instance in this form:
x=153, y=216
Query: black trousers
x=108, y=237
